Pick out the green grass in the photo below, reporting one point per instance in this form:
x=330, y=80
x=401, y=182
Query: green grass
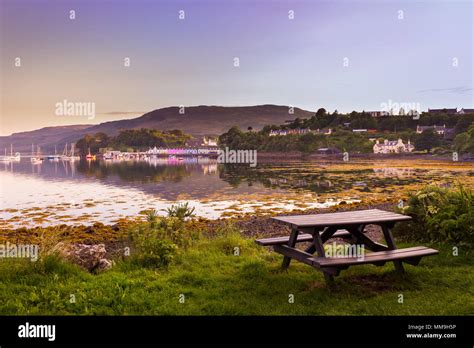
x=215, y=282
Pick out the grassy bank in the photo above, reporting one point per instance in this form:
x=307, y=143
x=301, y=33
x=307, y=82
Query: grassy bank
x=177, y=265
x=214, y=281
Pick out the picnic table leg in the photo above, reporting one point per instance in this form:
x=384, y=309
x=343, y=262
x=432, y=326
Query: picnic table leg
x=392, y=246
x=319, y=246
x=361, y=238
x=312, y=248
x=291, y=244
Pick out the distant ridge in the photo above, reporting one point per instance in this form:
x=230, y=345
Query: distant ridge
x=196, y=120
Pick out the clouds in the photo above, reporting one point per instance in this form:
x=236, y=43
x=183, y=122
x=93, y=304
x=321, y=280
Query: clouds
x=451, y=90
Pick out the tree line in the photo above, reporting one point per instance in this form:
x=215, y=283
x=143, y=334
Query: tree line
x=344, y=139
x=131, y=140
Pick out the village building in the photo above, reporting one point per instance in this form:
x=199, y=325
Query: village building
x=393, y=146
x=443, y=111
x=208, y=141
x=440, y=130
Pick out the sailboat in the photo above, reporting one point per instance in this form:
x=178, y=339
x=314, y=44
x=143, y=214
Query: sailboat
x=36, y=159
x=5, y=158
x=11, y=158
x=16, y=157
x=55, y=157
x=69, y=156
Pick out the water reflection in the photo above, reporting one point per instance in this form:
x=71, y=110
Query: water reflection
x=86, y=191
x=201, y=176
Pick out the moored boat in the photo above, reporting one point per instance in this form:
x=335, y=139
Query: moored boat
x=36, y=158
x=89, y=156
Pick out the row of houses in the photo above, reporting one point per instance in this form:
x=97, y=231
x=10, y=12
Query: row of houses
x=453, y=111
x=446, y=133
x=299, y=131
x=385, y=147
x=440, y=130
x=402, y=112
x=181, y=151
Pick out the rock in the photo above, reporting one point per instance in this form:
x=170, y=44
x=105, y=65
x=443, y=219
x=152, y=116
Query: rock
x=104, y=264
x=90, y=257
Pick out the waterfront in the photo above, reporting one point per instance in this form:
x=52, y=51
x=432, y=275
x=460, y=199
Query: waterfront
x=84, y=192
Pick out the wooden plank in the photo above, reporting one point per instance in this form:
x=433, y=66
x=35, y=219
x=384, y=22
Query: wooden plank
x=304, y=237
x=296, y=254
x=376, y=257
x=303, y=257
x=355, y=217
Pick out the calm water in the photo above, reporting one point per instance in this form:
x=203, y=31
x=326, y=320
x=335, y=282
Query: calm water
x=85, y=192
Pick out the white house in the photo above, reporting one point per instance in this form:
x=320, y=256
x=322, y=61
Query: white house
x=395, y=146
x=208, y=141
x=464, y=111
x=440, y=130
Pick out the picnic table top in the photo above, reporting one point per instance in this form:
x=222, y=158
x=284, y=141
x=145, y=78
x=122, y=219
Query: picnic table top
x=342, y=218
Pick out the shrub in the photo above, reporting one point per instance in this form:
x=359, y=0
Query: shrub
x=441, y=215
x=157, y=241
x=151, y=247
x=151, y=217
x=180, y=211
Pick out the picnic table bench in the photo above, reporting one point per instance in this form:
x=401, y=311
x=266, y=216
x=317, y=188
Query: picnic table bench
x=319, y=228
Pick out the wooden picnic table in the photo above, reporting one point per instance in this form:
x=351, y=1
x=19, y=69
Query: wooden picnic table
x=350, y=225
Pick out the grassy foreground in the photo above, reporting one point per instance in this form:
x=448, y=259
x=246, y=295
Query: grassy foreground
x=216, y=282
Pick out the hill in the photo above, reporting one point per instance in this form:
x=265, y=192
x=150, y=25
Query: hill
x=197, y=121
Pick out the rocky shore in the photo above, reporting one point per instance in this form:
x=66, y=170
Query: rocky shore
x=112, y=239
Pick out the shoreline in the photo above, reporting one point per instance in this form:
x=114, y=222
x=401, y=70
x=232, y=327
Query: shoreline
x=115, y=236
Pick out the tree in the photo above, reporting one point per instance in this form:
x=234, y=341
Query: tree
x=463, y=123
x=427, y=140
x=308, y=143
x=92, y=142
x=464, y=142
x=321, y=112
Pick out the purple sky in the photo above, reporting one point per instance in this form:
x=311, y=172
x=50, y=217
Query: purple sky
x=190, y=62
